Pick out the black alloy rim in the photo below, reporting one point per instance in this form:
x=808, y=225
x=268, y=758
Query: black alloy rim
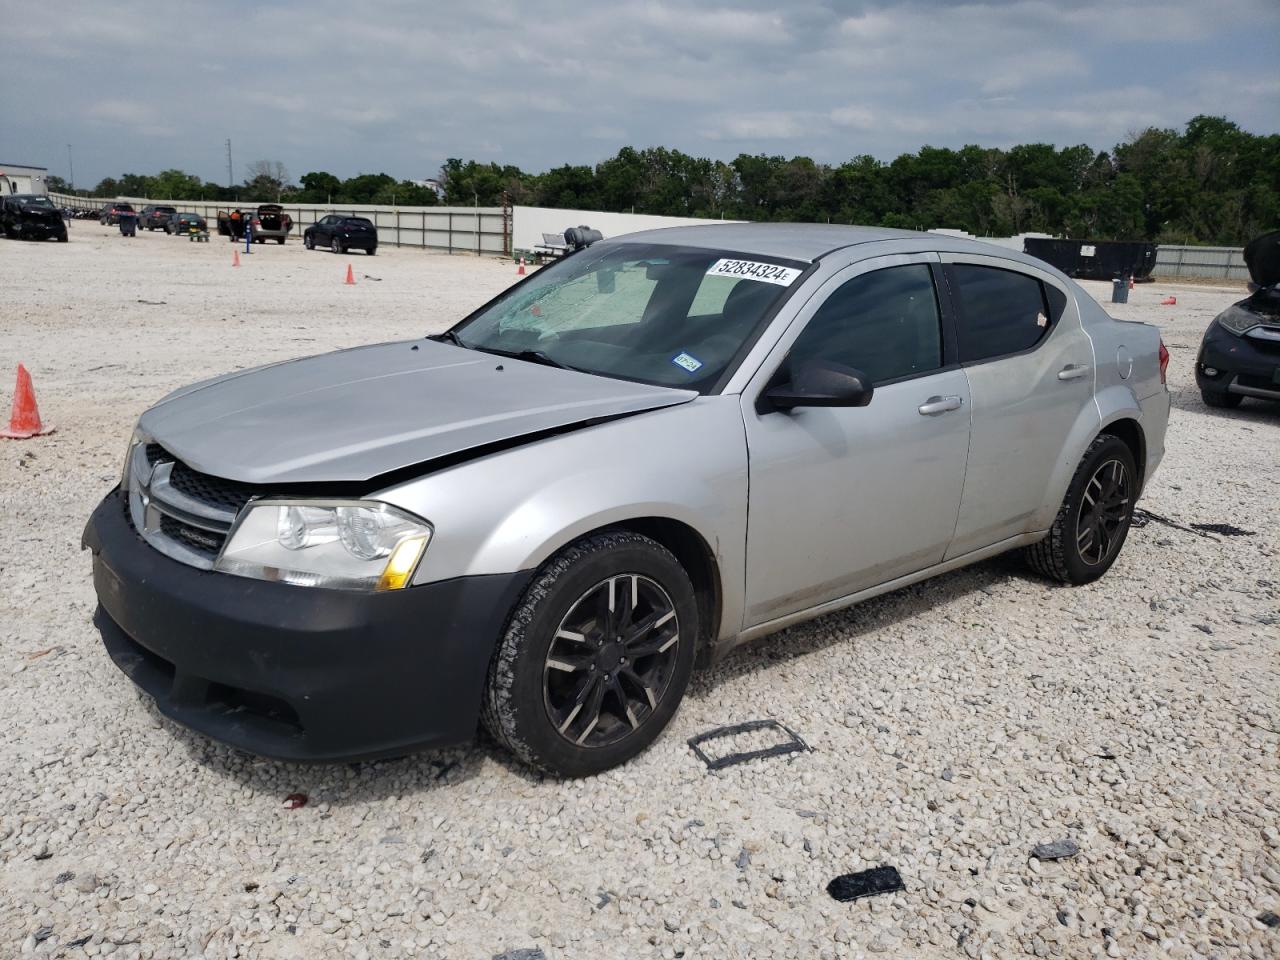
x=611, y=660
x=1104, y=510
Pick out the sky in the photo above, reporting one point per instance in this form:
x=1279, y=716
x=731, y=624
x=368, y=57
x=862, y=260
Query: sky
x=397, y=87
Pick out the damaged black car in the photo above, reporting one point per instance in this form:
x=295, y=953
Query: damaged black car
x=26, y=216
x=1240, y=353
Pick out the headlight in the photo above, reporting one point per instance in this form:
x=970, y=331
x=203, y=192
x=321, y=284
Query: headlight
x=341, y=544
x=1237, y=320
x=134, y=440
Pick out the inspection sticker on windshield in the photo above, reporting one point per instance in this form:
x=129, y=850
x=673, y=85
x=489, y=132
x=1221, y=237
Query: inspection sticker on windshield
x=754, y=270
x=689, y=363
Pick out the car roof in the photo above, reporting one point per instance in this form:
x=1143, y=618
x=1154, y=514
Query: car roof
x=810, y=241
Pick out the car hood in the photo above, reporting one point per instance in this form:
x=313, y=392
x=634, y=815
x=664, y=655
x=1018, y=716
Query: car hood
x=1262, y=255
x=356, y=414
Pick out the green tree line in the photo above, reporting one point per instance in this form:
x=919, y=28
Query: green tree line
x=1211, y=182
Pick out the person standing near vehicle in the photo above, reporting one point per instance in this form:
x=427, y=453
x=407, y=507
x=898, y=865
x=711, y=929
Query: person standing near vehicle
x=237, y=224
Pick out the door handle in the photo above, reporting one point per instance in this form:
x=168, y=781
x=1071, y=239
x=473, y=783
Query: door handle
x=936, y=405
x=1074, y=371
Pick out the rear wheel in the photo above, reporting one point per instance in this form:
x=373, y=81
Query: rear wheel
x=371, y=251
x=280, y=240
x=335, y=245
x=1094, y=519
x=596, y=656
x=308, y=242
x=1221, y=400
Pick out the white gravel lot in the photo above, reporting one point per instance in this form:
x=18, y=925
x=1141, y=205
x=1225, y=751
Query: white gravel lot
x=954, y=725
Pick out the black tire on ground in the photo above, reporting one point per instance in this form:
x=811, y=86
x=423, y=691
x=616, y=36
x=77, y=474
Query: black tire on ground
x=280, y=240
x=524, y=689
x=62, y=238
x=336, y=246
x=1221, y=400
x=1091, y=526
x=371, y=251
x=308, y=242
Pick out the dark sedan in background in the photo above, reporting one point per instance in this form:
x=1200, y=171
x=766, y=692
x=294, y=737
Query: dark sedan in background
x=341, y=233
x=181, y=223
x=1240, y=353
x=31, y=217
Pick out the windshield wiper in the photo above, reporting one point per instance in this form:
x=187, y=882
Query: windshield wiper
x=532, y=356
x=449, y=337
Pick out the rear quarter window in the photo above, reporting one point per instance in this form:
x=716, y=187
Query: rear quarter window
x=1001, y=311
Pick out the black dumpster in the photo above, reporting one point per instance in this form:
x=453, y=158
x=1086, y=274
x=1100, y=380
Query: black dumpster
x=1095, y=259
x=128, y=223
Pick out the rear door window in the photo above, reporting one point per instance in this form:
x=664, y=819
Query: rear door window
x=1002, y=312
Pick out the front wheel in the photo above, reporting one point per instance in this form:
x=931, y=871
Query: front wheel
x=1094, y=519
x=1221, y=401
x=371, y=251
x=308, y=242
x=596, y=656
x=335, y=245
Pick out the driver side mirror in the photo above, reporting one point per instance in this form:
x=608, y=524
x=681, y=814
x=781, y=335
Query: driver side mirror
x=821, y=383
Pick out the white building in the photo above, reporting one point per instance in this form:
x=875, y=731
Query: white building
x=16, y=178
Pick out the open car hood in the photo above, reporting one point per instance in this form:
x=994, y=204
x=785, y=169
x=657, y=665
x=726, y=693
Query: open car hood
x=360, y=413
x=1262, y=256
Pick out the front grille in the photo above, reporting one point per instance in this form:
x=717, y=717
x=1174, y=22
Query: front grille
x=185, y=514
x=211, y=490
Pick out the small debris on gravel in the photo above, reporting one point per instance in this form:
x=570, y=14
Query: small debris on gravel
x=295, y=800
x=1269, y=918
x=1057, y=850
x=775, y=741
x=865, y=883
x=43, y=934
x=523, y=953
x=66, y=876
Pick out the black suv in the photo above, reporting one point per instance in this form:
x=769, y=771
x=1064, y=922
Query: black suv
x=340, y=233
x=155, y=217
x=1240, y=353
x=31, y=217
x=110, y=215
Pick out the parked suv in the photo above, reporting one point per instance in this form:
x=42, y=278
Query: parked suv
x=155, y=217
x=1240, y=353
x=271, y=223
x=110, y=215
x=340, y=233
x=636, y=459
x=30, y=216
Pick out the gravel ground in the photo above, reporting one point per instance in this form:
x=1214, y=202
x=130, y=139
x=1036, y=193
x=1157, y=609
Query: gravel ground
x=954, y=725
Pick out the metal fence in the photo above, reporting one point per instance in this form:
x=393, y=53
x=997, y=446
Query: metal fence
x=1220, y=263
x=478, y=230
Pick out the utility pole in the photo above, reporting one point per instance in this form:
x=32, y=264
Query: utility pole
x=71, y=168
x=230, y=176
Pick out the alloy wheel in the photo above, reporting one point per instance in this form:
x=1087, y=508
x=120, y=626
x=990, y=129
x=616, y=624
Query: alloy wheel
x=611, y=660
x=1104, y=511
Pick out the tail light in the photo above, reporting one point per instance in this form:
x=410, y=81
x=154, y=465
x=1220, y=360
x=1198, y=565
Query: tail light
x=258, y=223
x=1164, y=361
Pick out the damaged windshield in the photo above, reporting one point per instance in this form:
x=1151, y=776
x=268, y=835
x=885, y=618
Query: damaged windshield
x=666, y=315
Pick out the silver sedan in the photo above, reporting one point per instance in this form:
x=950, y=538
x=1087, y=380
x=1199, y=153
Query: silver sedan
x=629, y=463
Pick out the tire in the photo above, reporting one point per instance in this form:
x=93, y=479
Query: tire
x=336, y=246
x=1075, y=556
x=63, y=238
x=307, y=242
x=280, y=240
x=536, y=675
x=1221, y=401
x=371, y=251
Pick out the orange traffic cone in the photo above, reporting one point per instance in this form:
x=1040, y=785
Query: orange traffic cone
x=520, y=272
x=235, y=258
x=25, y=421
x=351, y=277
x=1169, y=302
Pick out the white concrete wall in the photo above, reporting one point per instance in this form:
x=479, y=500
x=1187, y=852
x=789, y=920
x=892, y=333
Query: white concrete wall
x=530, y=223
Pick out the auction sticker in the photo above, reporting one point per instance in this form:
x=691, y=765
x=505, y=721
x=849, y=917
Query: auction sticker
x=754, y=270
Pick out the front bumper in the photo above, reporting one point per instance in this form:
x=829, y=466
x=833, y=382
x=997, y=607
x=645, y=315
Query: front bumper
x=296, y=673
x=1246, y=366
x=37, y=229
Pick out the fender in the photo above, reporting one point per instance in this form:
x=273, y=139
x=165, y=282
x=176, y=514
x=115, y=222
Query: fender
x=1109, y=405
